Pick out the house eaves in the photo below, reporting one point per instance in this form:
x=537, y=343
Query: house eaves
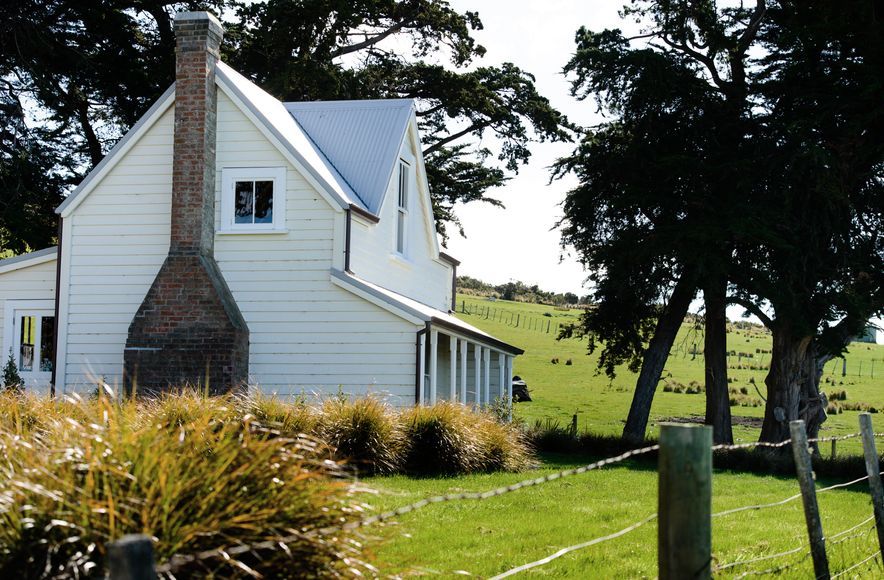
x=29, y=259
x=416, y=312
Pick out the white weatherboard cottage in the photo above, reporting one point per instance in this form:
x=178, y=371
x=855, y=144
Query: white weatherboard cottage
x=322, y=231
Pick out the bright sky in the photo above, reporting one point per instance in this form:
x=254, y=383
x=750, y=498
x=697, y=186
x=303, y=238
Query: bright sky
x=521, y=242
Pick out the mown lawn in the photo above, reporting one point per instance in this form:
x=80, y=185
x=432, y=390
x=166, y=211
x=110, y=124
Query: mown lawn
x=488, y=537
x=559, y=390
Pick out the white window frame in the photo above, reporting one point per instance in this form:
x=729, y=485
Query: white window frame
x=13, y=311
x=229, y=177
x=402, y=209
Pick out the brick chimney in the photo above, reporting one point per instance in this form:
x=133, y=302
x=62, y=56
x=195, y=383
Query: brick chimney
x=189, y=330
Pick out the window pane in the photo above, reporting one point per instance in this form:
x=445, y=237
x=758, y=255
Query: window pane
x=26, y=344
x=400, y=233
x=263, y=202
x=244, y=196
x=403, y=186
x=47, y=343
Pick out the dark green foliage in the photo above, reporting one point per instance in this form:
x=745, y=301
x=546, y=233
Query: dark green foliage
x=12, y=381
x=96, y=67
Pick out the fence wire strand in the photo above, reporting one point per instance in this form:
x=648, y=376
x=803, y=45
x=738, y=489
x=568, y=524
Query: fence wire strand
x=803, y=546
x=564, y=551
x=179, y=560
x=227, y=553
x=857, y=565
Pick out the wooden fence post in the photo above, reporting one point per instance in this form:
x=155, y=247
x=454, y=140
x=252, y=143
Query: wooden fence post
x=804, y=470
x=684, y=543
x=873, y=468
x=131, y=558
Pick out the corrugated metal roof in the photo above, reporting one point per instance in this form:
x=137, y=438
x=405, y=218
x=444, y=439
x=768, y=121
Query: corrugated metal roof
x=275, y=116
x=23, y=260
x=420, y=310
x=361, y=139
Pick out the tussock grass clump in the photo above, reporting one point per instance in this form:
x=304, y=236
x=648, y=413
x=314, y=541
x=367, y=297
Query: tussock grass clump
x=438, y=439
x=362, y=432
x=290, y=419
x=193, y=472
x=451, y=438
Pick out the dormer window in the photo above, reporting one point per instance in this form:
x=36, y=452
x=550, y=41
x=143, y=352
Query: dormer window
x=252, y=199
x=402, y=207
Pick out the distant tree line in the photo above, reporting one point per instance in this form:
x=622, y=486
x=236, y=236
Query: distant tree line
x=519, y=292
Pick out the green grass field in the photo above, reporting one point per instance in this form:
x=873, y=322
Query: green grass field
x=601, y=404
x=488, y=537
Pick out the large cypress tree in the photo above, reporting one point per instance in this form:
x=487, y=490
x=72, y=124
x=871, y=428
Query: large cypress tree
x=89, y=70
x=759, y=177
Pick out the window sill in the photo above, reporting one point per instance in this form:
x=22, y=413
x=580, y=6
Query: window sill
x=251, y=232
x=401, y=260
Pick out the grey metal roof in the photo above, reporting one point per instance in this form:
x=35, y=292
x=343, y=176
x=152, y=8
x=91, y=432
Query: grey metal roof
x=28, y=257
x=422, y=311
x=271, y=112
x=361, y=139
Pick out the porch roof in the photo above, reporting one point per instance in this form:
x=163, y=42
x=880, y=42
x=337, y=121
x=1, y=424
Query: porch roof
x=418, y=310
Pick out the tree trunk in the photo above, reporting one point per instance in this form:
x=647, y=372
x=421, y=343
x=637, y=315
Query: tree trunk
x=813, y=403
x=655, y=357
x=786, y=383
x=718, y=410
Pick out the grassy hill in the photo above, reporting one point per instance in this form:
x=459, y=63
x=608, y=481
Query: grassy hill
x=561, y=390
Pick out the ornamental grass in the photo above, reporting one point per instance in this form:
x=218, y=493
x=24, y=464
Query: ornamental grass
x=204, y=474
x=196, y=474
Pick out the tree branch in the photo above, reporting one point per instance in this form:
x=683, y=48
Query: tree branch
x=371, y=41
x=454, y=137
x=751, y=307
x=704, y=59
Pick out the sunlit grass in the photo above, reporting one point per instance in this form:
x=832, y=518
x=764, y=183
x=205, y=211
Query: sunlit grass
x=559, y=391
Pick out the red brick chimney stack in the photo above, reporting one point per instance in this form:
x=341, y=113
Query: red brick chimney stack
x=189, y=331
x=198, y=36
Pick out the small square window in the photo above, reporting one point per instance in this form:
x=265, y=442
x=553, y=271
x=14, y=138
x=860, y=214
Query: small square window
x=253, y=199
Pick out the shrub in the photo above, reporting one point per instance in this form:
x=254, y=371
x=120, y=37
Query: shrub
x=11, y=380
x=504, y=446
x=437, y=440
x=362, y=432
x=290, y=419
x=192, y=472
x=451, y=438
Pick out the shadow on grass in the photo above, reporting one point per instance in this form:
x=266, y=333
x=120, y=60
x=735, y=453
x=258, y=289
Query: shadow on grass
x=558, y=447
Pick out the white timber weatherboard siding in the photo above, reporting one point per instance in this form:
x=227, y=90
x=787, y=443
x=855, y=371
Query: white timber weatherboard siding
x=29, y=284
x=306, y=335
x=419, y=275
x=115, y=241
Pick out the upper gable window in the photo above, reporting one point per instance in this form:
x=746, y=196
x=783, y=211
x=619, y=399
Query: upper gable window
x=253, y=199
x=402, y=206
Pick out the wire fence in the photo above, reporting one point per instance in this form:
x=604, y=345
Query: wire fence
x=680, y=512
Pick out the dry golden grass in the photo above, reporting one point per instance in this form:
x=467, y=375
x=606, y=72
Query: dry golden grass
x=195, y=473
